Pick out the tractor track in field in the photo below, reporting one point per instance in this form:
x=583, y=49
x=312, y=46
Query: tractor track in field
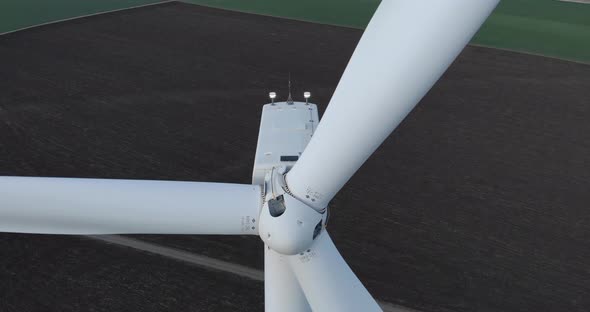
x=206, y=262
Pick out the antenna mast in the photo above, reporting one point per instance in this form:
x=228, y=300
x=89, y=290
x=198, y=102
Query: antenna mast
x=290, y=99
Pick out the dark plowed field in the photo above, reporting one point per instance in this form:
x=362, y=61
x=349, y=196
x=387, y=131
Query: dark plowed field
x=478, y=202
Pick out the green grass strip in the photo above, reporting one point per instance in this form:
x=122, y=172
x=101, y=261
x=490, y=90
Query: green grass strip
x=546, y=27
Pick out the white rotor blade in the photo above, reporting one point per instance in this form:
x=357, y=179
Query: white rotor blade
x=281, y=288
x=327, y=281
x=104, y=206
x=405, y=49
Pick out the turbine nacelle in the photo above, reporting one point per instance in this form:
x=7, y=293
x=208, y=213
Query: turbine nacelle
x=287, y=225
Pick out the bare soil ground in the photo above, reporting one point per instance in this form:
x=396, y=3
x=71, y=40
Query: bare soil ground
x=478, y=202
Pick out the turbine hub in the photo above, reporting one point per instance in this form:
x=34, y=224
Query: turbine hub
x=287, y=225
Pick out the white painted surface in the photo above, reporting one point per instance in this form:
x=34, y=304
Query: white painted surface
x=405, y=49
x=285, y=130
x=292, y=232
x=282, y=292
x=328, y=282
x=105, y=206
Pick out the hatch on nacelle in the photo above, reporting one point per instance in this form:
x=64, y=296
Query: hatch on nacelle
x=285, y=130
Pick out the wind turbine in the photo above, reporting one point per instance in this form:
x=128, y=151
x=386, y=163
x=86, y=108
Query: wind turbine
x=300, y=165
